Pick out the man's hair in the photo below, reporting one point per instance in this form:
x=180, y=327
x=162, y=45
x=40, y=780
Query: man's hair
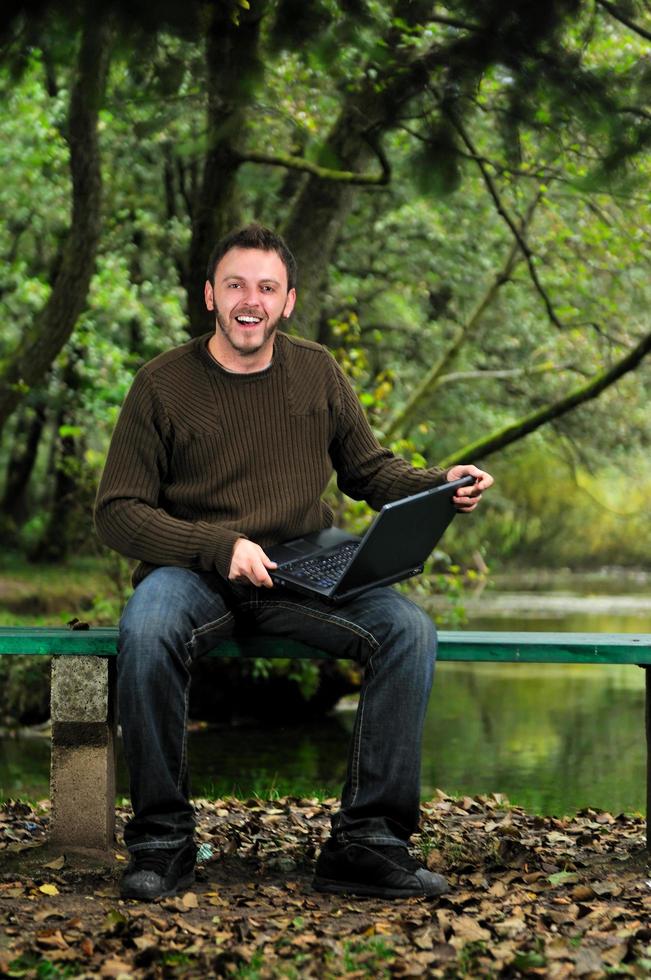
x=253, y=236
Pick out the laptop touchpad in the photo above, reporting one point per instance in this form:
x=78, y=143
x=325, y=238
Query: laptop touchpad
x=299, y=547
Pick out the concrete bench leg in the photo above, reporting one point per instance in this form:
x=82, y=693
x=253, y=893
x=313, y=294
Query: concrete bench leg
x=82, y=772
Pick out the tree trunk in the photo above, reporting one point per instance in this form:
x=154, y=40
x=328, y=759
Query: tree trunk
x=319, y=213
x=20, y=371
x=232, y=61
x=21, y=463
x=61, y=532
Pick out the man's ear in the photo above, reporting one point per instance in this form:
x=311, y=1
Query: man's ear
x=209, y=295
x=290, y=302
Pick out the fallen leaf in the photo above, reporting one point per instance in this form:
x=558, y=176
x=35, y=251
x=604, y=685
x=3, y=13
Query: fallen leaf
x=57, y=863
x=184, y=924
x=51, y=940
x=44, y=914
x=467, y=930
x=563, y=878
x=582, y=893
x=115, y=968
x=49, y=889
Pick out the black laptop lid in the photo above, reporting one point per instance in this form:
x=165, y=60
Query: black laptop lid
x=403, y=535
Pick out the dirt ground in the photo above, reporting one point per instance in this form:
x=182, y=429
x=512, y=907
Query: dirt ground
x=531, y=896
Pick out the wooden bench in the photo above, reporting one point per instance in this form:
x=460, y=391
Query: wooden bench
x=82, y=775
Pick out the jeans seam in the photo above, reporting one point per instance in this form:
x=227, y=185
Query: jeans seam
x=184, y=749
x=158, y=845
x=200, y=630
x=323, y=617
x=374, y=839
x=358, y=741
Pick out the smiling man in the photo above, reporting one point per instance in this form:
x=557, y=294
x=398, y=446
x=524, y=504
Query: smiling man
x=223, y=448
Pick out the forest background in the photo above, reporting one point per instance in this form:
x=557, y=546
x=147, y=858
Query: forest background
x=465, y=186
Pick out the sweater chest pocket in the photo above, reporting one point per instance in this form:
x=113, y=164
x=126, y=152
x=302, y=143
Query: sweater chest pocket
x=196, y=456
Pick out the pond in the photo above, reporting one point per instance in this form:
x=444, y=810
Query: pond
x=553, y=739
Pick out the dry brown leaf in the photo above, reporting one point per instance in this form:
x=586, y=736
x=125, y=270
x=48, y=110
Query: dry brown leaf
x=582, y=893
x=425, y=938
x=511, y=927
x=52, y=939
x=57, y=863
x=588, y=961
x=158, y=923
x=44, y=914
x=614, y=954
x=115, y=968
x=468, y=930
x=190, y=900
x=606, y=888
x=189, y=927
x=435, y=860
x=498, y=889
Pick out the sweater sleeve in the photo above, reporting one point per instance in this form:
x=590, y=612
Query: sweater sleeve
x=366, y=470
x=128, y=515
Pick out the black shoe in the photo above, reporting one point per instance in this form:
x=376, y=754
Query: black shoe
x=374, y=870
x=158, y=872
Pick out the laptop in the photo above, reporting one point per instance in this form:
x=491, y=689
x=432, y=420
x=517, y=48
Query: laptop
x=337, y=566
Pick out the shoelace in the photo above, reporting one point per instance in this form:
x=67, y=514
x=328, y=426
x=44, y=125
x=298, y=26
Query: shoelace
x=401, y=856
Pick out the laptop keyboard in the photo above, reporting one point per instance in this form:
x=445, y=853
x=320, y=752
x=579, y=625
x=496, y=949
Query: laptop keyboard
x=323, y=570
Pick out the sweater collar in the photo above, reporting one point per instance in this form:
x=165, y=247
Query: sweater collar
x=237, y=377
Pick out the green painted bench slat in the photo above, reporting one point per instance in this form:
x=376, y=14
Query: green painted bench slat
x=460, y=645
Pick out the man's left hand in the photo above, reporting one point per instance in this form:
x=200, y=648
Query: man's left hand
x=467, y=498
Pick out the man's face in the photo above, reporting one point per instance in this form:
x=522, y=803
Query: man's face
x=249, y=298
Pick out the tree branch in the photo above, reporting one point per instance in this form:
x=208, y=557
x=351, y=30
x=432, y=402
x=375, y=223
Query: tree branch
x=534, y=420
x=502, y=211
x=615, y=12
x=402, y=419
x=324, y=173
x=503, y=373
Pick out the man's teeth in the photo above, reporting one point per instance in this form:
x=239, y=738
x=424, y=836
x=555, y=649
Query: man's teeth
x=248, y=319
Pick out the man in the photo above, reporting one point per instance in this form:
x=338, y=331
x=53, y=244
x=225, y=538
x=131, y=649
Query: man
x=224, y=446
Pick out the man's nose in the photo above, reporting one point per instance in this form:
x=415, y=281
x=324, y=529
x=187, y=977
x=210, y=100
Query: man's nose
x=249, y=297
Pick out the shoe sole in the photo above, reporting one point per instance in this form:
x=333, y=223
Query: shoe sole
x=368, y=891
x=181, y=883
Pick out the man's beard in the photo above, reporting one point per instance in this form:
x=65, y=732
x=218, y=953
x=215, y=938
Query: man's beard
x=246, y=351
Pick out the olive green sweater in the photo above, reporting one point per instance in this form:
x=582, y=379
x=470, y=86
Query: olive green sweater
x=201, y=456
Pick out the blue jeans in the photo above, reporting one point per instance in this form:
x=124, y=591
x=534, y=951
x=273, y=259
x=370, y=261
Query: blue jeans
x=175, y=615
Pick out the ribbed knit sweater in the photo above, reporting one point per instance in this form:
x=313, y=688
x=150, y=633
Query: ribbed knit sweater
x=201, y=456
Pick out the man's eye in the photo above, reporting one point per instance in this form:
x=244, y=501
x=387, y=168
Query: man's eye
x=233, y=285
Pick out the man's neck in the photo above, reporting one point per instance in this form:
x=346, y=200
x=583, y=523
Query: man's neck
x=231, y=360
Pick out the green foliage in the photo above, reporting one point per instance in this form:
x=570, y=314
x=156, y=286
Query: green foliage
x=40, y=967
x=24, y=689
x=549, y=98
x=548, y=510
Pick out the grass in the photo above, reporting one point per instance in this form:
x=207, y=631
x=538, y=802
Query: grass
x=50, y=595
x=265, y=790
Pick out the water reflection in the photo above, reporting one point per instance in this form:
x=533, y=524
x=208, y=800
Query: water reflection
x=553, y=738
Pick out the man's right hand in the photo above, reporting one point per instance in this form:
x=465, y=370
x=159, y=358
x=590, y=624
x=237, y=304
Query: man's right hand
x=249, y=564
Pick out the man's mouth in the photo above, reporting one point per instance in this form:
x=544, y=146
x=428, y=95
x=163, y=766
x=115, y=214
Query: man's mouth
x=248, y=321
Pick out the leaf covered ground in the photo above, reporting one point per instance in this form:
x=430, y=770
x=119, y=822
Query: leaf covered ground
x=532, y=896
